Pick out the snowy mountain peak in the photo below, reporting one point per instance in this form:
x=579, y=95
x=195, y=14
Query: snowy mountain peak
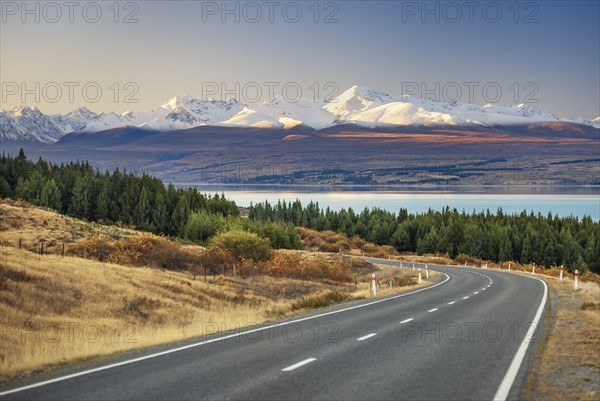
x=181, y=115
x=358, y=105
x=525, y=110
x=177, y=101
x=82, y=112
x=22, y=110
x=367, y=94
x=357, y=99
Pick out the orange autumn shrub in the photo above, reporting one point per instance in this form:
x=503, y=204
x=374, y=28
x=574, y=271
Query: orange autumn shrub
x=140, y=250
x=305, y=267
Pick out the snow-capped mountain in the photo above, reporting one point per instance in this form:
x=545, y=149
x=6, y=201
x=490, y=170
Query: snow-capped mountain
x=357, y=105
x=357, y=99
x=594, y=123
x=30, y=124
x=304, y=111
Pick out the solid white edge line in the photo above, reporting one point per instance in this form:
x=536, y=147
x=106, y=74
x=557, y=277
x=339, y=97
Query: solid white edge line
x=367, y=336
x=513, y=369
x=219, y=338
x=511, y=374
x=407, y=320
x=297, y=365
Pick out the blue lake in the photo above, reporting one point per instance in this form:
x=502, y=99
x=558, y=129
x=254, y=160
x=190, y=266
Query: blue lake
x=561, y=201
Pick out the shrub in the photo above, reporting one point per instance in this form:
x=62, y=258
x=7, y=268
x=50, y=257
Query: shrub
x=306, y=267
x=202, y=226
x=243, y=245
x=329, y=241
x=471, y=261
x=140, y=250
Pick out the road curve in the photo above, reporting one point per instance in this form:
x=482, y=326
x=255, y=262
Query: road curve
x=468, y=337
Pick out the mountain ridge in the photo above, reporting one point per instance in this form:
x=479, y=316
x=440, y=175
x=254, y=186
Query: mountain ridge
x=357, y=105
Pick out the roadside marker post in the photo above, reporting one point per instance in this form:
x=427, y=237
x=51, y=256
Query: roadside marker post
x=576, y=279
x=419, y=275
x=465, y=263
x=486, y=265
x=373, y=284
x=402, y=267
x=509, y=266
x=413, y=264
x=533, y=269
x=426, y=271
x=561, y=272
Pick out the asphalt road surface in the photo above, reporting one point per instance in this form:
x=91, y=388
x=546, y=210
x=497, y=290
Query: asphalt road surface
x=470, y=336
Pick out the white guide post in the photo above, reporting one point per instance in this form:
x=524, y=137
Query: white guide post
x=373, y=284
x=561, y=272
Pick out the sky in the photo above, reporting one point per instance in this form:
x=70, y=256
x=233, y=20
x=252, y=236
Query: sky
x=136, y=55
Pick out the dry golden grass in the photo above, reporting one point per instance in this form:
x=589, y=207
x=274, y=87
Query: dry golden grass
x=57, y=310
x=567, y=363
x=33, y=225
x=132, y=307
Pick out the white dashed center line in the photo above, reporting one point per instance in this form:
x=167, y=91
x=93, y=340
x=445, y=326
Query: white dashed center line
x=299, y=364
x=466, y=297
x=432, y=310
x=406, y=320
x=451, y=303
x=367, y=336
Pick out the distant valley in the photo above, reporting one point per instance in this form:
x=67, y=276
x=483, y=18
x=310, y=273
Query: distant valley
x=535, y=154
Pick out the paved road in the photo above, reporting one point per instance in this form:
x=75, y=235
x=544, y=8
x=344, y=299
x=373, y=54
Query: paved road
x=465, y=338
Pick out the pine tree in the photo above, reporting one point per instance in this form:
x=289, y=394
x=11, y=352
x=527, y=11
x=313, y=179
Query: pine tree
x=401, y=239
x=5, y=189
x=429, y=243
x=142, y=210
x=79, y=200
x=103, y=203
x=159, y=213
x=50, y=196
x=180, y=215
x=504, y=247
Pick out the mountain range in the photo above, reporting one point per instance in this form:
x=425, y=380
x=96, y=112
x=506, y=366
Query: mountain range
x=358, y=106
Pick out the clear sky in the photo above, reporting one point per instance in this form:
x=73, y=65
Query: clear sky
x=545, y=53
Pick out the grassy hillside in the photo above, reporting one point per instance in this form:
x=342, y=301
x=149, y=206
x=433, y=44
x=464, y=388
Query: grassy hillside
x=58, y=309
